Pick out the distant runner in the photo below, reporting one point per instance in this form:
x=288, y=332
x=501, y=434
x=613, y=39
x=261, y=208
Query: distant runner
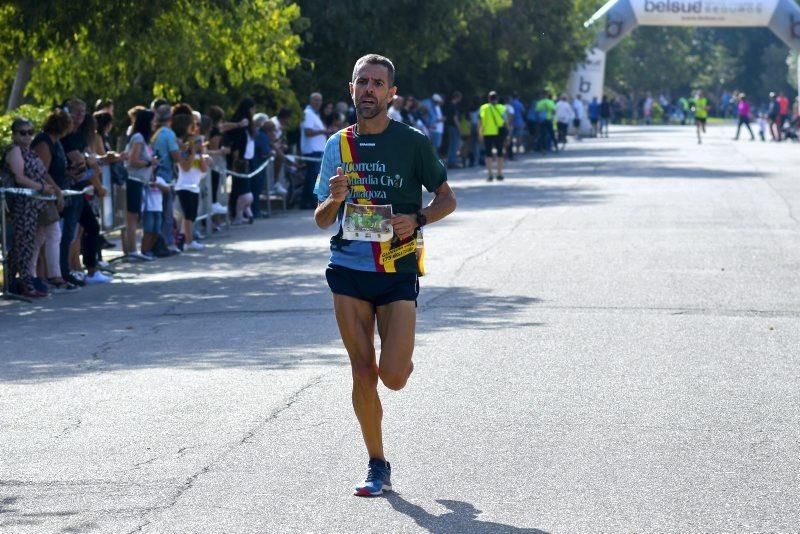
x=700, y=114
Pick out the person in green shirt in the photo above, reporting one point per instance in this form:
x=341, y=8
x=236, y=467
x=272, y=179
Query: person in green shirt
x=492, y=129
x=700, y=114
x=378, y=165
x=683, y=104
x=545, y=109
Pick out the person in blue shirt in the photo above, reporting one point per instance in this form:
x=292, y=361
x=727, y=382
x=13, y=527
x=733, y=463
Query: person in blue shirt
x=594, y=115
x=518, y=126
x=165, y=147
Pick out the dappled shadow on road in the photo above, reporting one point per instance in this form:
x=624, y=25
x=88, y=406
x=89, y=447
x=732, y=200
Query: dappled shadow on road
x=462, y=517
x=255, y=320
x=10, y=515
x=462, y=308
x=514, y=193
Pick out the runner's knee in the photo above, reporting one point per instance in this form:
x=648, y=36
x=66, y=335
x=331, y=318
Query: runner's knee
x=394, y=380
x=365, y=375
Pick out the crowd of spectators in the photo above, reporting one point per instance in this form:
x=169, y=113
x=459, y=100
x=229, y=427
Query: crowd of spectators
x=64, y=174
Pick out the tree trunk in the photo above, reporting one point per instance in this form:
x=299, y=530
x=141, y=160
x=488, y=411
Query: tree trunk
x=24, y=69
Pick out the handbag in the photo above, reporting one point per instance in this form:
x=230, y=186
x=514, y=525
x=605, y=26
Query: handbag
x=48, y=215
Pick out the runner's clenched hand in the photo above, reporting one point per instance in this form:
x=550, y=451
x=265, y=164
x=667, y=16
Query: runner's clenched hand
x=404, y=225
x=338, y=185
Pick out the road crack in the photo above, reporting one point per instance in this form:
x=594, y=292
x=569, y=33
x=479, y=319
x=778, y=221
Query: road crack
x=192, y=480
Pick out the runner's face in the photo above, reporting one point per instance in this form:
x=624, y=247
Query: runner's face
x=371, y=92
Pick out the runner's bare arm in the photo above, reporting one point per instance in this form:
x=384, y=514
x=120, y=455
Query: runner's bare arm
x=442, y=205
x=325, y=214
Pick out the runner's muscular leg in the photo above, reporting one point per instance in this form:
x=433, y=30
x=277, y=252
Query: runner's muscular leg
x=356, y=320
x=396, y=326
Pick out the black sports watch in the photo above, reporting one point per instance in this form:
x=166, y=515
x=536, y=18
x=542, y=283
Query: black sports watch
x=421, y=219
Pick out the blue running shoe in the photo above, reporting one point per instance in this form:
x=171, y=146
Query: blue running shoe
x=379, y=479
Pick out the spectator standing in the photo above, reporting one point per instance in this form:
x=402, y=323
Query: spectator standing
x=783, y=113
x=509, y=116
x=84, y=171
x=580, y=115
x=193, y=163
x=744, y=112
x=474, y=141
x=605, y=116
x=243, y=149
x=518, y=131
x=279, y=145
x=532, y=121
x=564, y=115
x=647, y=109
x=48, y=147
x=452, y=118
x=762, y=127
x=26, y=170
x=594, y=115
x=773, y=113
x=545, y=108
x=313, y=136
x=436, y=121
x=493, y=131
x=152, y=207
x=165, y=148
x=217, y=153
x=141, y=164
x=263, y=151
x=396, y=110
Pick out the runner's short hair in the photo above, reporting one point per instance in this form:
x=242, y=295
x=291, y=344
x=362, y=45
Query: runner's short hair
x=375, y=59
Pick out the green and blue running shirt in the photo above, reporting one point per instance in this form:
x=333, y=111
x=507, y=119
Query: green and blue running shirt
x=391, y=167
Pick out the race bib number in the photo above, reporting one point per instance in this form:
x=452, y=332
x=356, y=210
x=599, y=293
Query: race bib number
x=364, y=222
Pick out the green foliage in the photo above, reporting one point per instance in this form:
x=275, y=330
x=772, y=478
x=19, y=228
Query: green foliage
x=35, y=114
x=135, y=50
x=676, y=60
x=445, y=45
x=217, y=51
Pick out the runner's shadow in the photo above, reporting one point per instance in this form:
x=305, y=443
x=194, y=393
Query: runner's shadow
x=462, y=518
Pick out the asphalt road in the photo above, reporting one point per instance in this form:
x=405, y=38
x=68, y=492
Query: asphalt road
x=607, y=341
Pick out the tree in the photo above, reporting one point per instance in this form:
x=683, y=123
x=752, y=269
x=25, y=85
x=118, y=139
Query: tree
x=443, y=45
x=413, y=34
x=143, y=49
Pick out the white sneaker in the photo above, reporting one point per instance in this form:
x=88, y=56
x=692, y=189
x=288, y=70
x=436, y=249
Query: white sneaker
x=278, y=189
x=139, y=256
x=78, y=275
x=194, y=245
x=97, y=278
x=218, y=209
x=174, y=249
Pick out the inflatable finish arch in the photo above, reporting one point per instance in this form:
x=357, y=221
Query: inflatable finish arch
x=622, y=16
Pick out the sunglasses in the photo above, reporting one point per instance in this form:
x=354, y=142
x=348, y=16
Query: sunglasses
x=25, y=132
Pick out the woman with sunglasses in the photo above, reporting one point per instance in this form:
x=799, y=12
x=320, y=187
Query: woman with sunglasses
x=25, y=170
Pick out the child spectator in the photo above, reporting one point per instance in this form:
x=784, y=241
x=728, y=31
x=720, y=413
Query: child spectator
x=193, y=163
x=151, y=216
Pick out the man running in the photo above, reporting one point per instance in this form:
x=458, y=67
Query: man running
x=700, y=114
x=367, y=169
